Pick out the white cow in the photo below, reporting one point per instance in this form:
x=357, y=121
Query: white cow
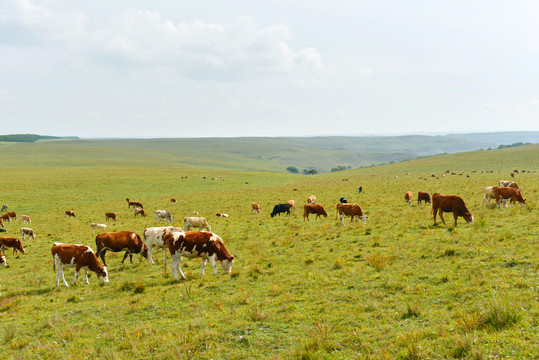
x=198, y=222
x=153, y=236
x=26, y=219
x=27, y=231
x=163, y=214
x=99, y=226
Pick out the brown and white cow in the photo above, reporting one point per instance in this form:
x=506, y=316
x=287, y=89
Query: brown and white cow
x=98, y=226
x=110, y=216
x=221, y=215
x=5, y=217
x=423, y=196
x=255, y=208
x=12, y=215
x=313, y=209
x=408, y=198
x=69, y=214
x=352, y=210
x=450, y=203
x=163, y=214
x=27, y=231
x=9, y=242
x=173, y=201
x=292, y=204
x=507, y=193
x=26, y=219
x=311, y=200
x=134, y=204
x=508, y=183
x=79, y=257
x=127, y=241
x=139, y=211
x=153, y=237
x=193, y=244
x=198, y=222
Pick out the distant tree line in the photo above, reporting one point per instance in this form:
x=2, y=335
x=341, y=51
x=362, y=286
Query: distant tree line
x=512, y=145
x=30, y=137
x=295, y=170
x=340, y=168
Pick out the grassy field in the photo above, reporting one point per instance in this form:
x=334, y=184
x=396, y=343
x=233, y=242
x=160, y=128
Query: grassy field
x=397, y=287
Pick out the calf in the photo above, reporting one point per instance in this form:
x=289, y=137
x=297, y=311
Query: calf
x=98, y=226
x=450, y=203
x=27, y=231
x=352, y=210
x=173, y=201
x=313, y=209
x=139, y=211
x=193, y=244
x=281, y=208
x=153, y=236
x=423, y=196
x=255, y=208
x=292, y=204
x=198, y=222
x=163, y=214
x=4, y=207
x=9, y=242
x=408, y=197
x=311, y=200
x=110, y=216
x=5, y=217
x=69, y=214
x=502, y=193
x=127, y=241
x=133, y=204
x=26, y=219
x=79, y=257
x=221, y=215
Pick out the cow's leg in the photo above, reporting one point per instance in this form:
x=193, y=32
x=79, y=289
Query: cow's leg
x=455, y=215
x=131, y=256
x=101, y=254
x=86, y=276
x=212, y=263
x=60, y=273
x=125, y=256
x=204, y=261
x=150, y=255
x=441, y=213
x=434, y=212
x=76, y=276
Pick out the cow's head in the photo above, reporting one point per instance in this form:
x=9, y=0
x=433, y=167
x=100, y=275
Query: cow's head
x=3, y=261
x=363, y=219
x=144, y=252
x=103, y=274
x=227, y=264
x=324, y=213
x=468, y=217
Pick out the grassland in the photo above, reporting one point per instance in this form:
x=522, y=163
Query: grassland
x=399, y=287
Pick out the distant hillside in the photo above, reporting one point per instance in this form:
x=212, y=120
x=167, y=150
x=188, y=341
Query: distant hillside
x=31, y=137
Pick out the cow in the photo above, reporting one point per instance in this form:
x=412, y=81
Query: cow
x=69, y=214
x=255, y=208
x=292, y=204
x=343, y=200
x=196, y=212
x=198, y=222
x=221, y=215
x=2, y=230
x=9, y=242
x=2, y=223
x=139, y=211
x=313, y=209
x=508, y=183
x=501, y=193
x=193, y=244
x=489, y=194
x=311, y=200
x=4, y=207
x=79, y=257
x=12, y=215
x=408, y=197
x=360, y=189
x=110, y=216
x=173, y=201
x=98, y=226
x=423, y=196
x=127, y=241
x=163, y=214
x=5, y=217
x=3, y=261
x=133, y=204
x=26, y=219
x=352, y=210
x=450, y=203
x=27, y=231
x=281, y=208
x=153, y=236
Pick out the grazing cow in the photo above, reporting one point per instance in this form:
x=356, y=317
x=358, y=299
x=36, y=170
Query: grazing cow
x=153, y=236
x=198, y=222
x=173, y=201
x=12, y=215
x=311, y=200
x=352, y=210
x=221, y=215
x=77, y=256
x=27, y=231
x=2, y=223
x=3, y=261
x=512, y=175
x=509, y=183
x=139, y=211
x=26, y=219
x=127, y=241
x=163, y=214
x=133, y=204
x=296, y=189
x=9, y=242
x=193, y=244
x=514, y=195
x=255, y=208
x=343, y=200
x=423, y=196
x=360, y=189
x=5, y=217
x=98, y=226
x=281, y=208
x=292, y=204
x=313, y=209
x=110, y=216
x=408, y=197
x=4, y=207
x=450, y=203
x=69, y=214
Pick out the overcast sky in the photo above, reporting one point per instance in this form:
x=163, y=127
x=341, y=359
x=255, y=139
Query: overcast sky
x=128, y=68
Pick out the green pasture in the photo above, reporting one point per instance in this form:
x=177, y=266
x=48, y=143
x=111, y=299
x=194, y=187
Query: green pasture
x=398, y=287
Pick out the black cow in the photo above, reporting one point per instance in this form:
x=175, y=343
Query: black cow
x=2, y=230
x=281, y=208
x=360, y=189
x=343, y=201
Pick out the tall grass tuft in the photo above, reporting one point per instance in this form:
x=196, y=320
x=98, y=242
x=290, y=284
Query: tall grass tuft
x=378, y=262
x=412, y=310
x=411, y=341
x=501, y=313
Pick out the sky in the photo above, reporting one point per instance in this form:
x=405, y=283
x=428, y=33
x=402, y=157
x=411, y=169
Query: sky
x=133, y=68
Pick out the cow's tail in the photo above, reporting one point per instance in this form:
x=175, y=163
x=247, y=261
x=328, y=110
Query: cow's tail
x=53, y=265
